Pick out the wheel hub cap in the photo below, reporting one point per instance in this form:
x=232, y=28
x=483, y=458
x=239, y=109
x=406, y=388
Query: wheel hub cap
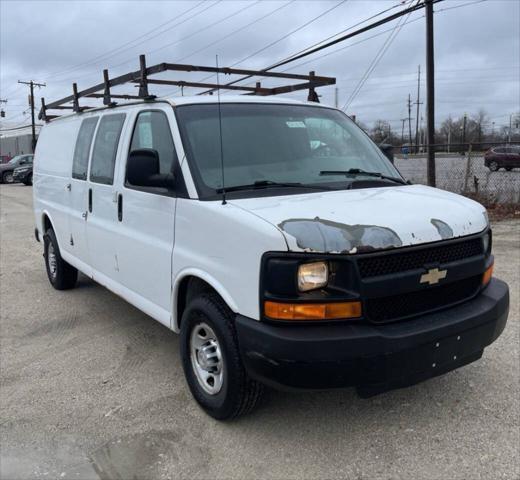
x=206, y=358
x=53, y=264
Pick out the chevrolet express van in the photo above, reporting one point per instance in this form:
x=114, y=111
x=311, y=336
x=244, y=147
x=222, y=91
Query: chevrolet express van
x=275, y=237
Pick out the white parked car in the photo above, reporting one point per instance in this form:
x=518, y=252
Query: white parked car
x=275, y=237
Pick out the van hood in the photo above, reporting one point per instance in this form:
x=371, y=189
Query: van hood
x=357, y=221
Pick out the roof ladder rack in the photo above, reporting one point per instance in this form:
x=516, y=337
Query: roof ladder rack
x=142, y=78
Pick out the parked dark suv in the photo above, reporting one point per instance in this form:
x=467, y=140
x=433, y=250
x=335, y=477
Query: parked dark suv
x=507, y=156
x=7, y=169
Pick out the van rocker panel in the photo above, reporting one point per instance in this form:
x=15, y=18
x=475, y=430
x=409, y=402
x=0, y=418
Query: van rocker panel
x=374, y=358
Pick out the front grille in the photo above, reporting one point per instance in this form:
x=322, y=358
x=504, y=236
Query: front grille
x=395, y=262
x=396, y=307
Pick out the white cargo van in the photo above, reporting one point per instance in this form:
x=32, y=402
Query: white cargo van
x=275, y=237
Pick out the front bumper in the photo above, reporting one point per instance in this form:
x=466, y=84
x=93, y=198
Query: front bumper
x=21, y=176
x=374, y=358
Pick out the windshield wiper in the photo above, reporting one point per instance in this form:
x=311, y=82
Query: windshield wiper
x=359, y=171
x=269, y=183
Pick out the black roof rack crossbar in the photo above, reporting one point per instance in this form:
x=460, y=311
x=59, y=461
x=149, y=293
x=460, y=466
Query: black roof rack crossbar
x=142, y=78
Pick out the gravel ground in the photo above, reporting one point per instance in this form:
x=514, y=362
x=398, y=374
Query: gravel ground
x=93, y=388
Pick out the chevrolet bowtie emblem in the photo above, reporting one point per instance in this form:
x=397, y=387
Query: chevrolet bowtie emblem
x=433, y=276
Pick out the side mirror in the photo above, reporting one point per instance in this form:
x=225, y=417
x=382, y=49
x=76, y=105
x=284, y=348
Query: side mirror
x=388, y=151
x=142, y=170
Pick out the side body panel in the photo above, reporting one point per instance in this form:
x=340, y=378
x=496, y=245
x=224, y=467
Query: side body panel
x=223, y=245
x=51, y=177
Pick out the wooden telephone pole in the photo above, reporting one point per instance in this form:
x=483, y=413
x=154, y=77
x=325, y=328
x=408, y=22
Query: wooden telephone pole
x=409, y=121
x=33, y=125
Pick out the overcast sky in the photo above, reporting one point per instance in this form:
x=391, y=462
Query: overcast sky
x=477, y=49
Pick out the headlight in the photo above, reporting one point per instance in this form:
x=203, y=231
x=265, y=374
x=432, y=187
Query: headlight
x=312, y=276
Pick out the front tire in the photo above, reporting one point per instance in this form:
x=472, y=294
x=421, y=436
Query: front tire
x=7, y=177
x=28, y=180
x=493, y=166
x=61, y=275
x=211, y=360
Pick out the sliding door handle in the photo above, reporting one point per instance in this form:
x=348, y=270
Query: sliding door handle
x=120, y=207
x=90, y=200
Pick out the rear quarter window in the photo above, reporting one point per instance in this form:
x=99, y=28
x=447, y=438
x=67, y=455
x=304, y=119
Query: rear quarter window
x=82, y=149
x=105, y=148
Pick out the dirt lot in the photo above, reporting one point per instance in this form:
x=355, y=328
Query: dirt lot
x=93, y=388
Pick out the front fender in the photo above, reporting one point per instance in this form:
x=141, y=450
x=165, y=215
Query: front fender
x=210, y=280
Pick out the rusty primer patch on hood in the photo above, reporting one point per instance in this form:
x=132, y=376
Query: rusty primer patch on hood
x=445, y=231
x=318, y=235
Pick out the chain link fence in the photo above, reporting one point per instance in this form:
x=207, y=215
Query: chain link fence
x=489, y=172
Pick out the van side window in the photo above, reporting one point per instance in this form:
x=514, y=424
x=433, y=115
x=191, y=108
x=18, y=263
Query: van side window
x=152, y=130
x=82, y=149
x=105, y=148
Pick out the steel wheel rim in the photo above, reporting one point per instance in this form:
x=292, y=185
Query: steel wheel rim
x=206, y=358
x=51, y=260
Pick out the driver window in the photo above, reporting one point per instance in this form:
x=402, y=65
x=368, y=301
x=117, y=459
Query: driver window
x=152, y=130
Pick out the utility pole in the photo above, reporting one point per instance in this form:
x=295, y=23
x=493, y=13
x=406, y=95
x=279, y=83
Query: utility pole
x=430, y=93
x=33, y=125
x=409, y=120
x=510, y=126
x=2, y=113
x=402, y=129
x=464, y=120
x=418, y=102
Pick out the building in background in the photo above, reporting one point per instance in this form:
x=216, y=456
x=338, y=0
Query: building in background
x=16, y=141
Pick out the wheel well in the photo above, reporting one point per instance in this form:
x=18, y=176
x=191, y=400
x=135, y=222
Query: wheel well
x=189, y=288
x=46, y=224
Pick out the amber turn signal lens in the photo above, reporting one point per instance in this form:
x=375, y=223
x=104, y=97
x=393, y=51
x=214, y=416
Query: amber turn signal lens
x=487, y=275
x=312, y=311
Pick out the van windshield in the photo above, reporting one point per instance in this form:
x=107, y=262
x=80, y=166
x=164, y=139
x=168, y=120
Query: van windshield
x=274, y=145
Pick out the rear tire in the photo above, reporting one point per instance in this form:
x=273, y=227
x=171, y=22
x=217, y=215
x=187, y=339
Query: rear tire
x=7, y=177
x=211, y=360
x=509, y=169
x=493, y=166
x=61, y=275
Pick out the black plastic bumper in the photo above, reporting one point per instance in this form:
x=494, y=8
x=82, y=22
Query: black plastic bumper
x=374, y=358
x=20, y=177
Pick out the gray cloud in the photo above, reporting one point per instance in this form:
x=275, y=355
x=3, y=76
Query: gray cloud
x=477, y=48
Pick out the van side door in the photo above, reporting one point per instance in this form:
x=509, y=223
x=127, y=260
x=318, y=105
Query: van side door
x=78, y=194
x=102, y=220
x=147, y=218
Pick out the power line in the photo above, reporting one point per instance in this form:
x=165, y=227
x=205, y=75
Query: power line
x=384, y=48
x=248, y=6
x=292, y=32
x=110, y=53
x=461, y=5
x=19, y=127
x=234, y=32
x=347, y=29
x=338, y=40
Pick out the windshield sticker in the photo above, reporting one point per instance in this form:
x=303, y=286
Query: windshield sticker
x=297, y=124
